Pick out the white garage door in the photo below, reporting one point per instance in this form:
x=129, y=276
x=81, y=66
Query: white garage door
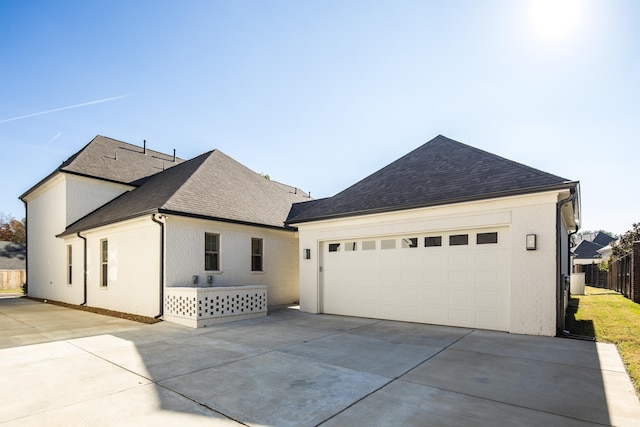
x=460, y=278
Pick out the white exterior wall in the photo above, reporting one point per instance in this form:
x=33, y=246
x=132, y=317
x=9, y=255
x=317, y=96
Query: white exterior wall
x=46, y=254
x=54, y=205
x=185, y=257
x=85, y=195
x=134, y=267
x=533, y=273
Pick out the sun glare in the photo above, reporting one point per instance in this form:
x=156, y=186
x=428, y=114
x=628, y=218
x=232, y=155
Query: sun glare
x=555, y=20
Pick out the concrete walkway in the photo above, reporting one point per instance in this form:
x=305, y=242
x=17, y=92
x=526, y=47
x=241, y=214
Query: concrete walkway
x=67, y=367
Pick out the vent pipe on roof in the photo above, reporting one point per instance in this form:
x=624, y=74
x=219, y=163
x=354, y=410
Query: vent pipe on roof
x=174, y=155
x=115, y=156
x=144, y=146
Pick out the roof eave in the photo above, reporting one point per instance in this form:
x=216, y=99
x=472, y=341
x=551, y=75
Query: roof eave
x=283, y=227
x=61, y=170
x=71, y=230
x=532, y=190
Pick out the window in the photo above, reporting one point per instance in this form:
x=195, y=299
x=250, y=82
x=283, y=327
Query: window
x=411, y=242
x=211, y=252
x=432, y=241
x=388, y=244
x=458, y=240
x=256, y=254
x=486, y=238
x=350, y=246
x=104, y=262
x=69, y=265
x=369, y=245
x=334, y=247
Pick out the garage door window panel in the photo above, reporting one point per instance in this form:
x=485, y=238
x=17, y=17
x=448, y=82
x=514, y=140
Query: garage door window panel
x=410, y=242
x=432, y=241
x=369, y=245
x=458, y=240
x=334, y=247
x=388, y=244
x=486, y=238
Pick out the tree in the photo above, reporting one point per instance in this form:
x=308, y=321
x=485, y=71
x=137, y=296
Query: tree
x=624, y=245
x=12, y=230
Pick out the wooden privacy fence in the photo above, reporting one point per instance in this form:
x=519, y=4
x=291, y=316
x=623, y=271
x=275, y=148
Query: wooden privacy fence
x=624, y=274
x=595, y=277
x=12, y=279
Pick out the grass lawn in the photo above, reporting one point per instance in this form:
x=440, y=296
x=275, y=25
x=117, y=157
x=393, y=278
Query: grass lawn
x=609, y=317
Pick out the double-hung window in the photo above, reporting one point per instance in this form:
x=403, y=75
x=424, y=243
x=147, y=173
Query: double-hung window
x=256, y=254
x=211, y=252
x=104, y=262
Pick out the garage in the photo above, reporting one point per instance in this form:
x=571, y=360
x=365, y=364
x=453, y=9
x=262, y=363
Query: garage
x=447, y=234
x=459, y=278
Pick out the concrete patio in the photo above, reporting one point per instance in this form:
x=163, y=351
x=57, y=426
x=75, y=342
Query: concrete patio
x=68, y=367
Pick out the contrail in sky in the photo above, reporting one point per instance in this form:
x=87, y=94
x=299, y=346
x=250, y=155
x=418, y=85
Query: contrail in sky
x=99, y=101
x=55, y=137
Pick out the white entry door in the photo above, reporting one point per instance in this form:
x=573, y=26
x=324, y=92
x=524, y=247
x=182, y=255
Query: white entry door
x=458, y=278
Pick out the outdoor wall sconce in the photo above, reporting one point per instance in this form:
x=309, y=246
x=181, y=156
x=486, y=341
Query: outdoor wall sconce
x=209, y=279
x=306, y=253
x=194, y=280
x=531, y=242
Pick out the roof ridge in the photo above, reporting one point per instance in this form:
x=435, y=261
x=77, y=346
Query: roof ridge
x=442, y=170
x=488, y=153
x=203, y=158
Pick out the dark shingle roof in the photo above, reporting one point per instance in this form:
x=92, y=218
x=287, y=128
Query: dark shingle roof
x=211, y=185
x=586, y=250
x=439, y=172
x=602, y=239
x=13, y=256
x=298, y=208
x=112, y=160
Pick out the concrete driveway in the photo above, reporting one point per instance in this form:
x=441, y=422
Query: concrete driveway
x=66, y=367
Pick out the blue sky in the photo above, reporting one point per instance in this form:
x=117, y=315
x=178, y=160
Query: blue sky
x=319, y=94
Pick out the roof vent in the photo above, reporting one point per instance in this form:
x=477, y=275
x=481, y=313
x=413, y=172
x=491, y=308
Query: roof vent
x=174, y=155
x=144, y=147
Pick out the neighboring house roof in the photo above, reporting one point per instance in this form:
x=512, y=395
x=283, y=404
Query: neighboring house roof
x=212, y=186
x=602, y=239
x=587, y=250
x=115, y=161
x=13, y=256
x=439, y=172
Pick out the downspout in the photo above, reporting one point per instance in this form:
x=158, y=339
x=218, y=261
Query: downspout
x=560, y=281
x=26, y=241
x=159, y=219
x=84, y=269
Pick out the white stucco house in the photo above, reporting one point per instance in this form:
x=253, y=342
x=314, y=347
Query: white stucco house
x=124, y=228
x=447, y=234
